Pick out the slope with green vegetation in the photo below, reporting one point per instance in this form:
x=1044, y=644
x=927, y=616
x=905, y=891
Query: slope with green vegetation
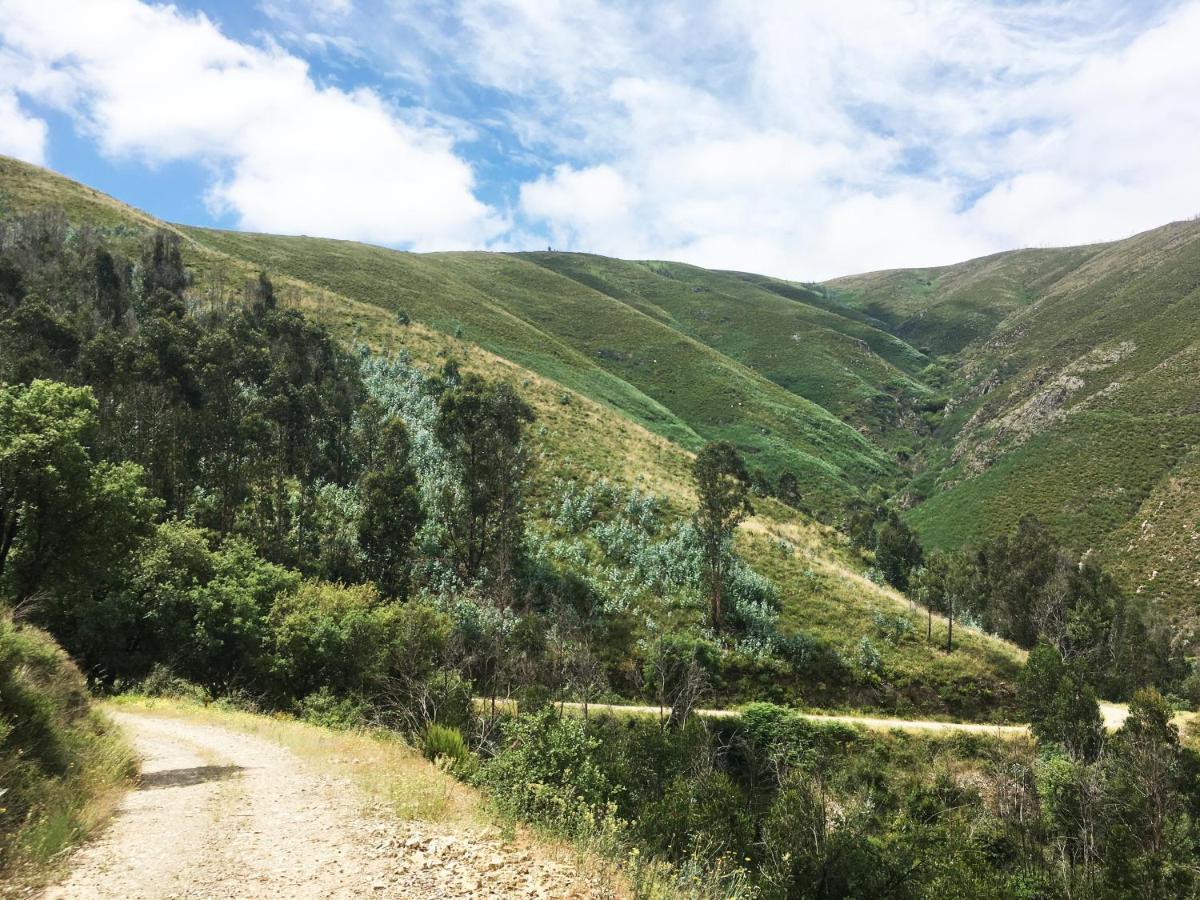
x=591, y=343
x=585, y=446
x=1076, y=399
x=62, y=766
x=863, y=375
x=946, y=308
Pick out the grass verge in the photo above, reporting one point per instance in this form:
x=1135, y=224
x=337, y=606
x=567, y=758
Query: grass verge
x=63, y=766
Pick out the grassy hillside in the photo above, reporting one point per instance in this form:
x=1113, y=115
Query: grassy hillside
x=1080, y=404
x=946, y=308
x=589, y=342
x=630, y=417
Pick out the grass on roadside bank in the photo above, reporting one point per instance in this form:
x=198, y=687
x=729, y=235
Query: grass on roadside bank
x=63, y=766
x=392, y=776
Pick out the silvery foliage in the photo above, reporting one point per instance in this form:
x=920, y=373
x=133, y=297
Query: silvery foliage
x=868, y=658
x=335, y=518
x=477, y=623
x=405, y=391
x=622, y=524
x=753, y=604
x=892, y=628
x=576, y=506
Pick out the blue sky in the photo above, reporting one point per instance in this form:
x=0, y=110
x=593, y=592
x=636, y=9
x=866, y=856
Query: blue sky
x=803, y=139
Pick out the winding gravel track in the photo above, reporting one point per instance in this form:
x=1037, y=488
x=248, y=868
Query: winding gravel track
x=220, y=814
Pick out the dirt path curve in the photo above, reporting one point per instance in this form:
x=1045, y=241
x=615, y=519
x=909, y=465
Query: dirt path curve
x=219, y=814
x=872, y=722
x=1114, y=715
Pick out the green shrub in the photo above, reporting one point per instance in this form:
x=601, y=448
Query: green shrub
x=162, y=682
x=328, y=710
x=329, y=636
x=545, y=773
x=445, y=742
x=702, y=815
x=448, y=699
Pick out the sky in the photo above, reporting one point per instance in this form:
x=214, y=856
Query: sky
x=799, y=138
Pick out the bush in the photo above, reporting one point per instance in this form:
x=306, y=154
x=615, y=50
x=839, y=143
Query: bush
x=445, y=745
x=545, y=773
x=868, y=659
x=331, y=637
x=892, y=628
x=448, y=700
x=327, y=710
x=162, y=682
x=705, y=816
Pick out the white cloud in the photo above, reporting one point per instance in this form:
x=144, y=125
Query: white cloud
x=806, y=139
x=21, y=135
x=580, y=203
x=812, y=139
x=154, y=83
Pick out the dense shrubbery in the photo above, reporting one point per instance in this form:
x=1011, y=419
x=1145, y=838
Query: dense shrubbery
x=817, y=810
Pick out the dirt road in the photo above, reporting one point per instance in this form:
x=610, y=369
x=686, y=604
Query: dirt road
x=1113, y=714
x=872, y=722
x=224, y=814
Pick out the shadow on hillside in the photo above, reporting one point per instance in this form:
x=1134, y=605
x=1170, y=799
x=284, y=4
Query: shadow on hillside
x=186, y=777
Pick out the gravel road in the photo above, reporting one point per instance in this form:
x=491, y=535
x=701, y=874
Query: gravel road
x=220, y=814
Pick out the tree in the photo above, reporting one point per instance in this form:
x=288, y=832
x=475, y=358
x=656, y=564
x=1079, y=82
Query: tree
x=197, y=609
x=65, y=519
x=897, y=550
x=1060, y=705
x=1150, y=854
x=944, y=584
x=722, y=485
x=162, y=264
x=481, y=425
x=865, y=515
x=1014, y=571
x=391, y=509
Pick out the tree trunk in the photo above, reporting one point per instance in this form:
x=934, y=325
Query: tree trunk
x=950, y=627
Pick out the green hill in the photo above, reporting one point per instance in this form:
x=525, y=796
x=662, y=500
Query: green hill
x=1078, y=397
x=591, y=342
x=787, y=333
x=1070, y=378
x=626, y=381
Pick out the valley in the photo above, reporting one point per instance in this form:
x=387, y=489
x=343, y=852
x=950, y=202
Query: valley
x=643, y=556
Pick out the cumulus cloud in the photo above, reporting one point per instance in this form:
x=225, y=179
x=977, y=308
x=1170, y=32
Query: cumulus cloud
x=812, y=139
x=804, y=139
x=21, y=135
x=287, y=155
